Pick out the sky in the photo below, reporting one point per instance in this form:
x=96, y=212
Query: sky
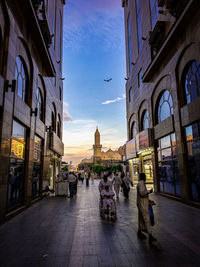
x=93, y=50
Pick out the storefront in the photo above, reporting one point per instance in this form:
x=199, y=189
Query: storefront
x=167, y=165
x=192, y=134
x=145, y=152
x=17, y=163
x=139, y=154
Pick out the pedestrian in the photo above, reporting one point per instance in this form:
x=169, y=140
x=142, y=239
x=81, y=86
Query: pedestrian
x=126, y=182
x=92, y=177
x=87, y=178
x=144, y=223
x=71, y=179
x=117, y=181
x=104, y=182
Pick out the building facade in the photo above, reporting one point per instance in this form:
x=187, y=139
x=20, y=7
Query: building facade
x=31, y=91
x=163, y=94
x=101, y=156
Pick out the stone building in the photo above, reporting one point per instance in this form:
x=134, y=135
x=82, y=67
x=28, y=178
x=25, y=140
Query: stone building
x=163, y=94
x=100, y=156
x=31, y=108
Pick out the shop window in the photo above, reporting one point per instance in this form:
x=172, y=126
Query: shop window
x=145, y=120
x=192, y=82
x=40, y=104
x=139, y=25
x=133, y=130
x=21, y=78
x=154, y=12
x=165, y=106
x=167, y=165
x=17, y=160
x=129, y=44
x=37, y=166
x=130, y=94
x=192, y=133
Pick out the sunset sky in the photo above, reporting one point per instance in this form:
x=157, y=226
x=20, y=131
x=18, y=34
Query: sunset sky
x=93, y=50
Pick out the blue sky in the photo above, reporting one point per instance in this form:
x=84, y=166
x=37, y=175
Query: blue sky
x=93, y=50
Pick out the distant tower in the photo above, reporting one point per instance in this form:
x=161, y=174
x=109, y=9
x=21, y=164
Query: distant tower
x=97, y=146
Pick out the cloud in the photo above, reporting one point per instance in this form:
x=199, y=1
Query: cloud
x=113, y=100
x=96, y=22
x=66, y=115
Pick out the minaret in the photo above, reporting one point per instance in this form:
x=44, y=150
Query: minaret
x=97, y=146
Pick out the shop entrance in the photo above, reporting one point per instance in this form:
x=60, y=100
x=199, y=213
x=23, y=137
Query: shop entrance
x=147, y=168
x=134, y=169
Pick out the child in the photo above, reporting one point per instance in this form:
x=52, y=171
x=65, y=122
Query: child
x=107, y=195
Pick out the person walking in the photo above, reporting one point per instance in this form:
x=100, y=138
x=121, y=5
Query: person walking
x=144, y=223
x=71, y=179
x=87, y=178
x=117, y=181
x=126, y=185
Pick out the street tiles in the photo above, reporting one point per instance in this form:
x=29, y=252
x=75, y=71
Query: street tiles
x=58, y=231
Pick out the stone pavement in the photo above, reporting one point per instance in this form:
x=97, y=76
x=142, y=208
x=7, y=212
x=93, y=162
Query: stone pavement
x=58, y=231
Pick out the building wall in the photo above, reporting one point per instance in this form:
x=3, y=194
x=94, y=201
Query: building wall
x=164, y=70
x=21, y=35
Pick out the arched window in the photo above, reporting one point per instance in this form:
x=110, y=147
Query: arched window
x=165, y=106
x=40, y=105
x=192, y=82
x=53, y=118
x=60, y=93
x=21, y=78
x=145, y=120
x=133, y=130
x=59, y=126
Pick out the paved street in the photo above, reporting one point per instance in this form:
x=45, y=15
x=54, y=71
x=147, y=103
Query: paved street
x=58, y=231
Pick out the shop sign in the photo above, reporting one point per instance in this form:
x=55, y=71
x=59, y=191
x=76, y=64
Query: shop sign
x=131, y=149
x=144, y=139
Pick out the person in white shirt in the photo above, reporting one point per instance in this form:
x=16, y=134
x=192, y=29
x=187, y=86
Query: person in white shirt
x=71, y=179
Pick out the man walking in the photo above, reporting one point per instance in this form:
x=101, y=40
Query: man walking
x=144, y=223
x=71, y=179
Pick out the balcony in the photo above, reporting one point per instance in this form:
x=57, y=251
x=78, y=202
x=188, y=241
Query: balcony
x=56, y=144
x=174, y=7
x=39, y=6
x=156, y=37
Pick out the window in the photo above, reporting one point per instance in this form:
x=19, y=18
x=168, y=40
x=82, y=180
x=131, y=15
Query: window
x=129, y=44
x=167, y=165
x=192, y=134
x=40, y=106
x=139, y=78
x=130, y=94
x=133, y=130
x=145, y=120
x=154, y=12
x=16, y=171
x=139, y=25
x=53, y=118
x=21, y=79
x=192, y=82
x=59, y=126
x=165, y=106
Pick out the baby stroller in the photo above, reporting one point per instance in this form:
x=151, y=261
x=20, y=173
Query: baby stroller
x=107, y=209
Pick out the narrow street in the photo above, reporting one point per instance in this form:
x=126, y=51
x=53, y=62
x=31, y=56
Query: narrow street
x=58, y=231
